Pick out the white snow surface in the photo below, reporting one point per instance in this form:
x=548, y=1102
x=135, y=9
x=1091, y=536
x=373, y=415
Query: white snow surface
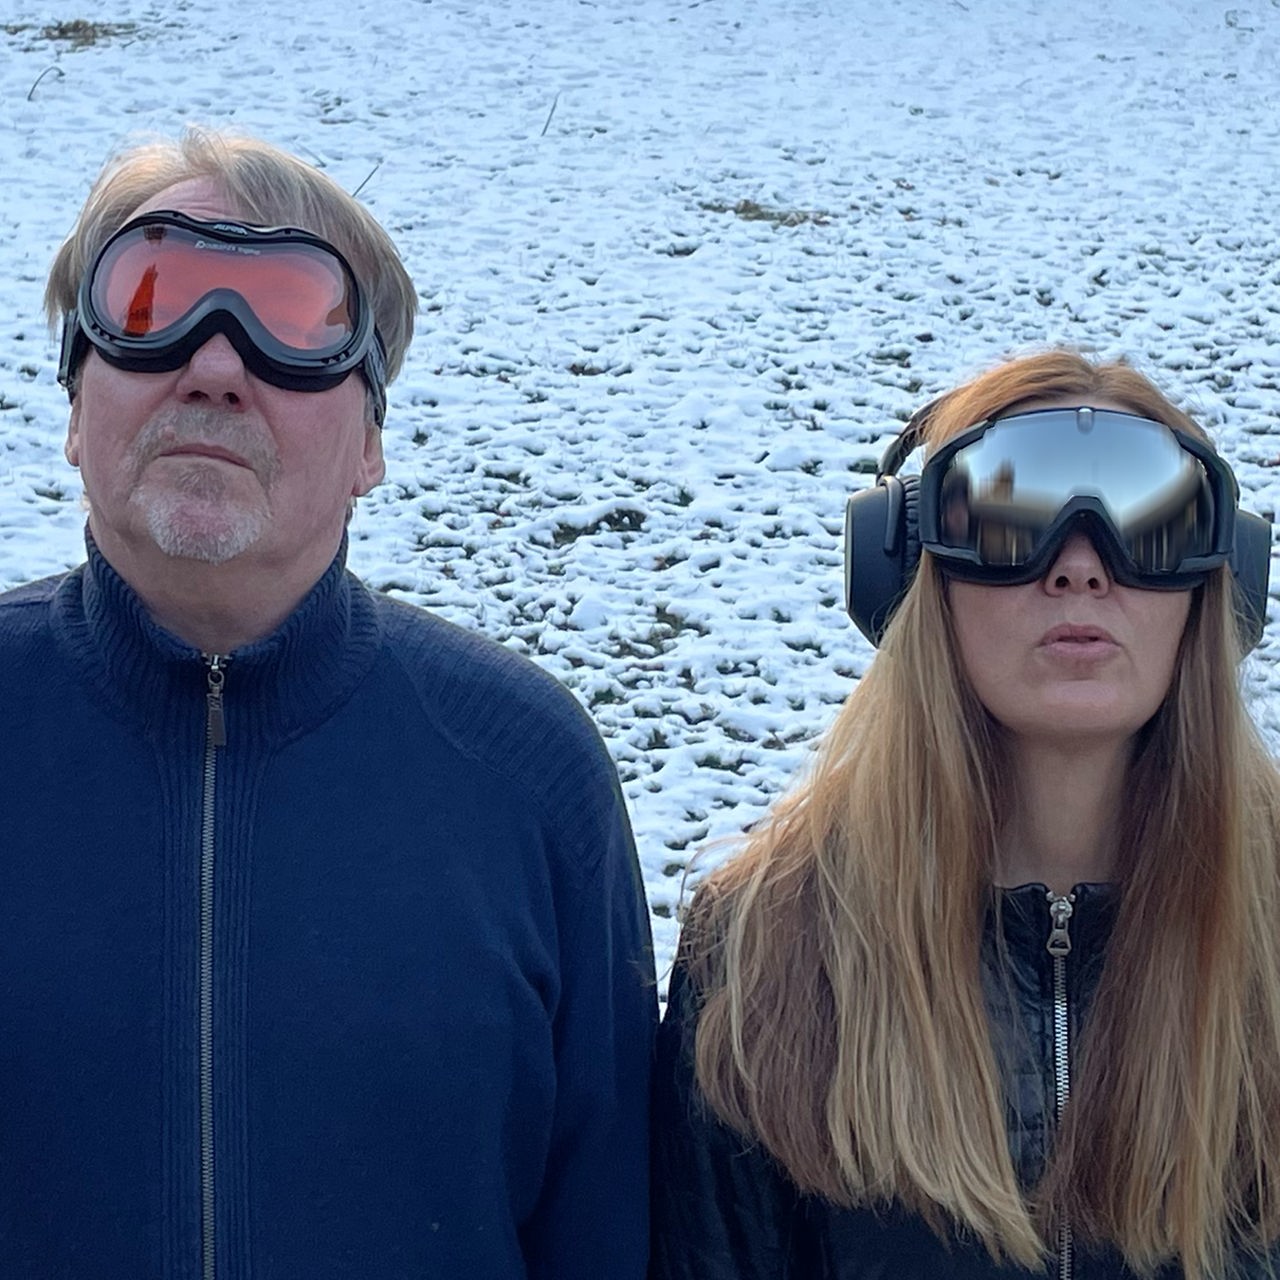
x=684, y=266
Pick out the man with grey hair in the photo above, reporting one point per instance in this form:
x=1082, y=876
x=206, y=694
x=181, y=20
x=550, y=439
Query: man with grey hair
x=321, y=932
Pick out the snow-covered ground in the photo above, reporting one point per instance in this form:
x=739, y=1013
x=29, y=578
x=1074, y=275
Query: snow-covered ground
x=684, y=264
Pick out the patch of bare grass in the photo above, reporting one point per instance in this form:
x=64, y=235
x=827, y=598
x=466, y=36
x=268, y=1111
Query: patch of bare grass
x=77, y=33
x=753, y=211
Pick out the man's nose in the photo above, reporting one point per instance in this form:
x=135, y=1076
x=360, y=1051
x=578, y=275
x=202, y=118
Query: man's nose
x=214, y=375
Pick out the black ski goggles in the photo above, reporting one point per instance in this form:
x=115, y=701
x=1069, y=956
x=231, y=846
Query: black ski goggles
x=998, y=501
x=287, y=300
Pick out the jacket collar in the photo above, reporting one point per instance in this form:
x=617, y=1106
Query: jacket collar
x=275, y=688
x=1024, y=921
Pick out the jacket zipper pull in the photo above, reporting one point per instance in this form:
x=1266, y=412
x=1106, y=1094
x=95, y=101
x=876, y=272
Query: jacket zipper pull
x=1061, y=909
x=216, y=725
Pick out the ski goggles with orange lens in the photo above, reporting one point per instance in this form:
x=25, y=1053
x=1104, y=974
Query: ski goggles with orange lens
x=287, y=300
x=998, y=501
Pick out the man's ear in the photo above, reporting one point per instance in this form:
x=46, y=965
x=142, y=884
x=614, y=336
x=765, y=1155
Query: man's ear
x=72, y=446
x=373, y=466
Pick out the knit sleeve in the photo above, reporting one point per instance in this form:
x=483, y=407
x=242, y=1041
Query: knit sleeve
x=592, y=1221
x=547, y=760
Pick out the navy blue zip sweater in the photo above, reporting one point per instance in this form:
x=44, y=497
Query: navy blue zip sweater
x=364, y=991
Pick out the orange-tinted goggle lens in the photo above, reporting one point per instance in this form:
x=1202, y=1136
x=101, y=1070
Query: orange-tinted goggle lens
x=148, y=281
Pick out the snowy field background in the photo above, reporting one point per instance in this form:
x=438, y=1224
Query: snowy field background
x=684, y=265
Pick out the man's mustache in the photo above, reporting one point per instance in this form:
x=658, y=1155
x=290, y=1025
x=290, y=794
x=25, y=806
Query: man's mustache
x=177, y=426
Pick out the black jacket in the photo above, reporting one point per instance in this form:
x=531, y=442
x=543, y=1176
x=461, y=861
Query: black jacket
x=724, y=1210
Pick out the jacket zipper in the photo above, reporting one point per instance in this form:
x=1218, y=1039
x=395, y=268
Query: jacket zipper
x=1061, y=909
x=215, y=736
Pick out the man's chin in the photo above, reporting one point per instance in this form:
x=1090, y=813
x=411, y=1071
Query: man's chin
x=189, y=530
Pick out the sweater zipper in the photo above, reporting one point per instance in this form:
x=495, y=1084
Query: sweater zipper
x=1061, y=909
x=215, y=736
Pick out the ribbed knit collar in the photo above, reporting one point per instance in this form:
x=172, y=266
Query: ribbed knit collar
x=276, y=688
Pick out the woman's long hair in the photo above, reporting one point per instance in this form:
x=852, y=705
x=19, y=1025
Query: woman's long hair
x=843, y=1021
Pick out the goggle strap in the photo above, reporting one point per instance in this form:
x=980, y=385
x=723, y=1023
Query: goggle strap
x=73, y=348
x=911, y=437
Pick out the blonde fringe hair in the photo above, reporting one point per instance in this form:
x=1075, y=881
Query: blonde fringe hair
x=843, y=1023
x=265, y=186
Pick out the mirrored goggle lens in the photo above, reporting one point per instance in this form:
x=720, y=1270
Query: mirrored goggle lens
x=150, y=278
x=1001, y=496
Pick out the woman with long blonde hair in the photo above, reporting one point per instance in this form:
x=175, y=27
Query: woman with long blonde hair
x=995, y=991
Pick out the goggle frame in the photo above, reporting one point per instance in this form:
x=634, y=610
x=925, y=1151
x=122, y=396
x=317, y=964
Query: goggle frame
x=1087, y=510
x=228, y=312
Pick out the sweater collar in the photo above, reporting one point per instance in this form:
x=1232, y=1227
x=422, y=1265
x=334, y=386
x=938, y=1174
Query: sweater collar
x=275, y=688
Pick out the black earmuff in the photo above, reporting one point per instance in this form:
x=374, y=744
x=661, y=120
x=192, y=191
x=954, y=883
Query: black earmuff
x=1251, y=566
x=882, y=546
x=882, y=535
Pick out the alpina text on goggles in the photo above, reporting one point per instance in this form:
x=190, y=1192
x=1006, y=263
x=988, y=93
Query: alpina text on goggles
x=998, y=500
x=287, y=300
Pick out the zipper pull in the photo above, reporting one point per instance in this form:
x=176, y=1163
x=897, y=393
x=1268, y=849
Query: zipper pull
x=1060, y=911
x=215, y=723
